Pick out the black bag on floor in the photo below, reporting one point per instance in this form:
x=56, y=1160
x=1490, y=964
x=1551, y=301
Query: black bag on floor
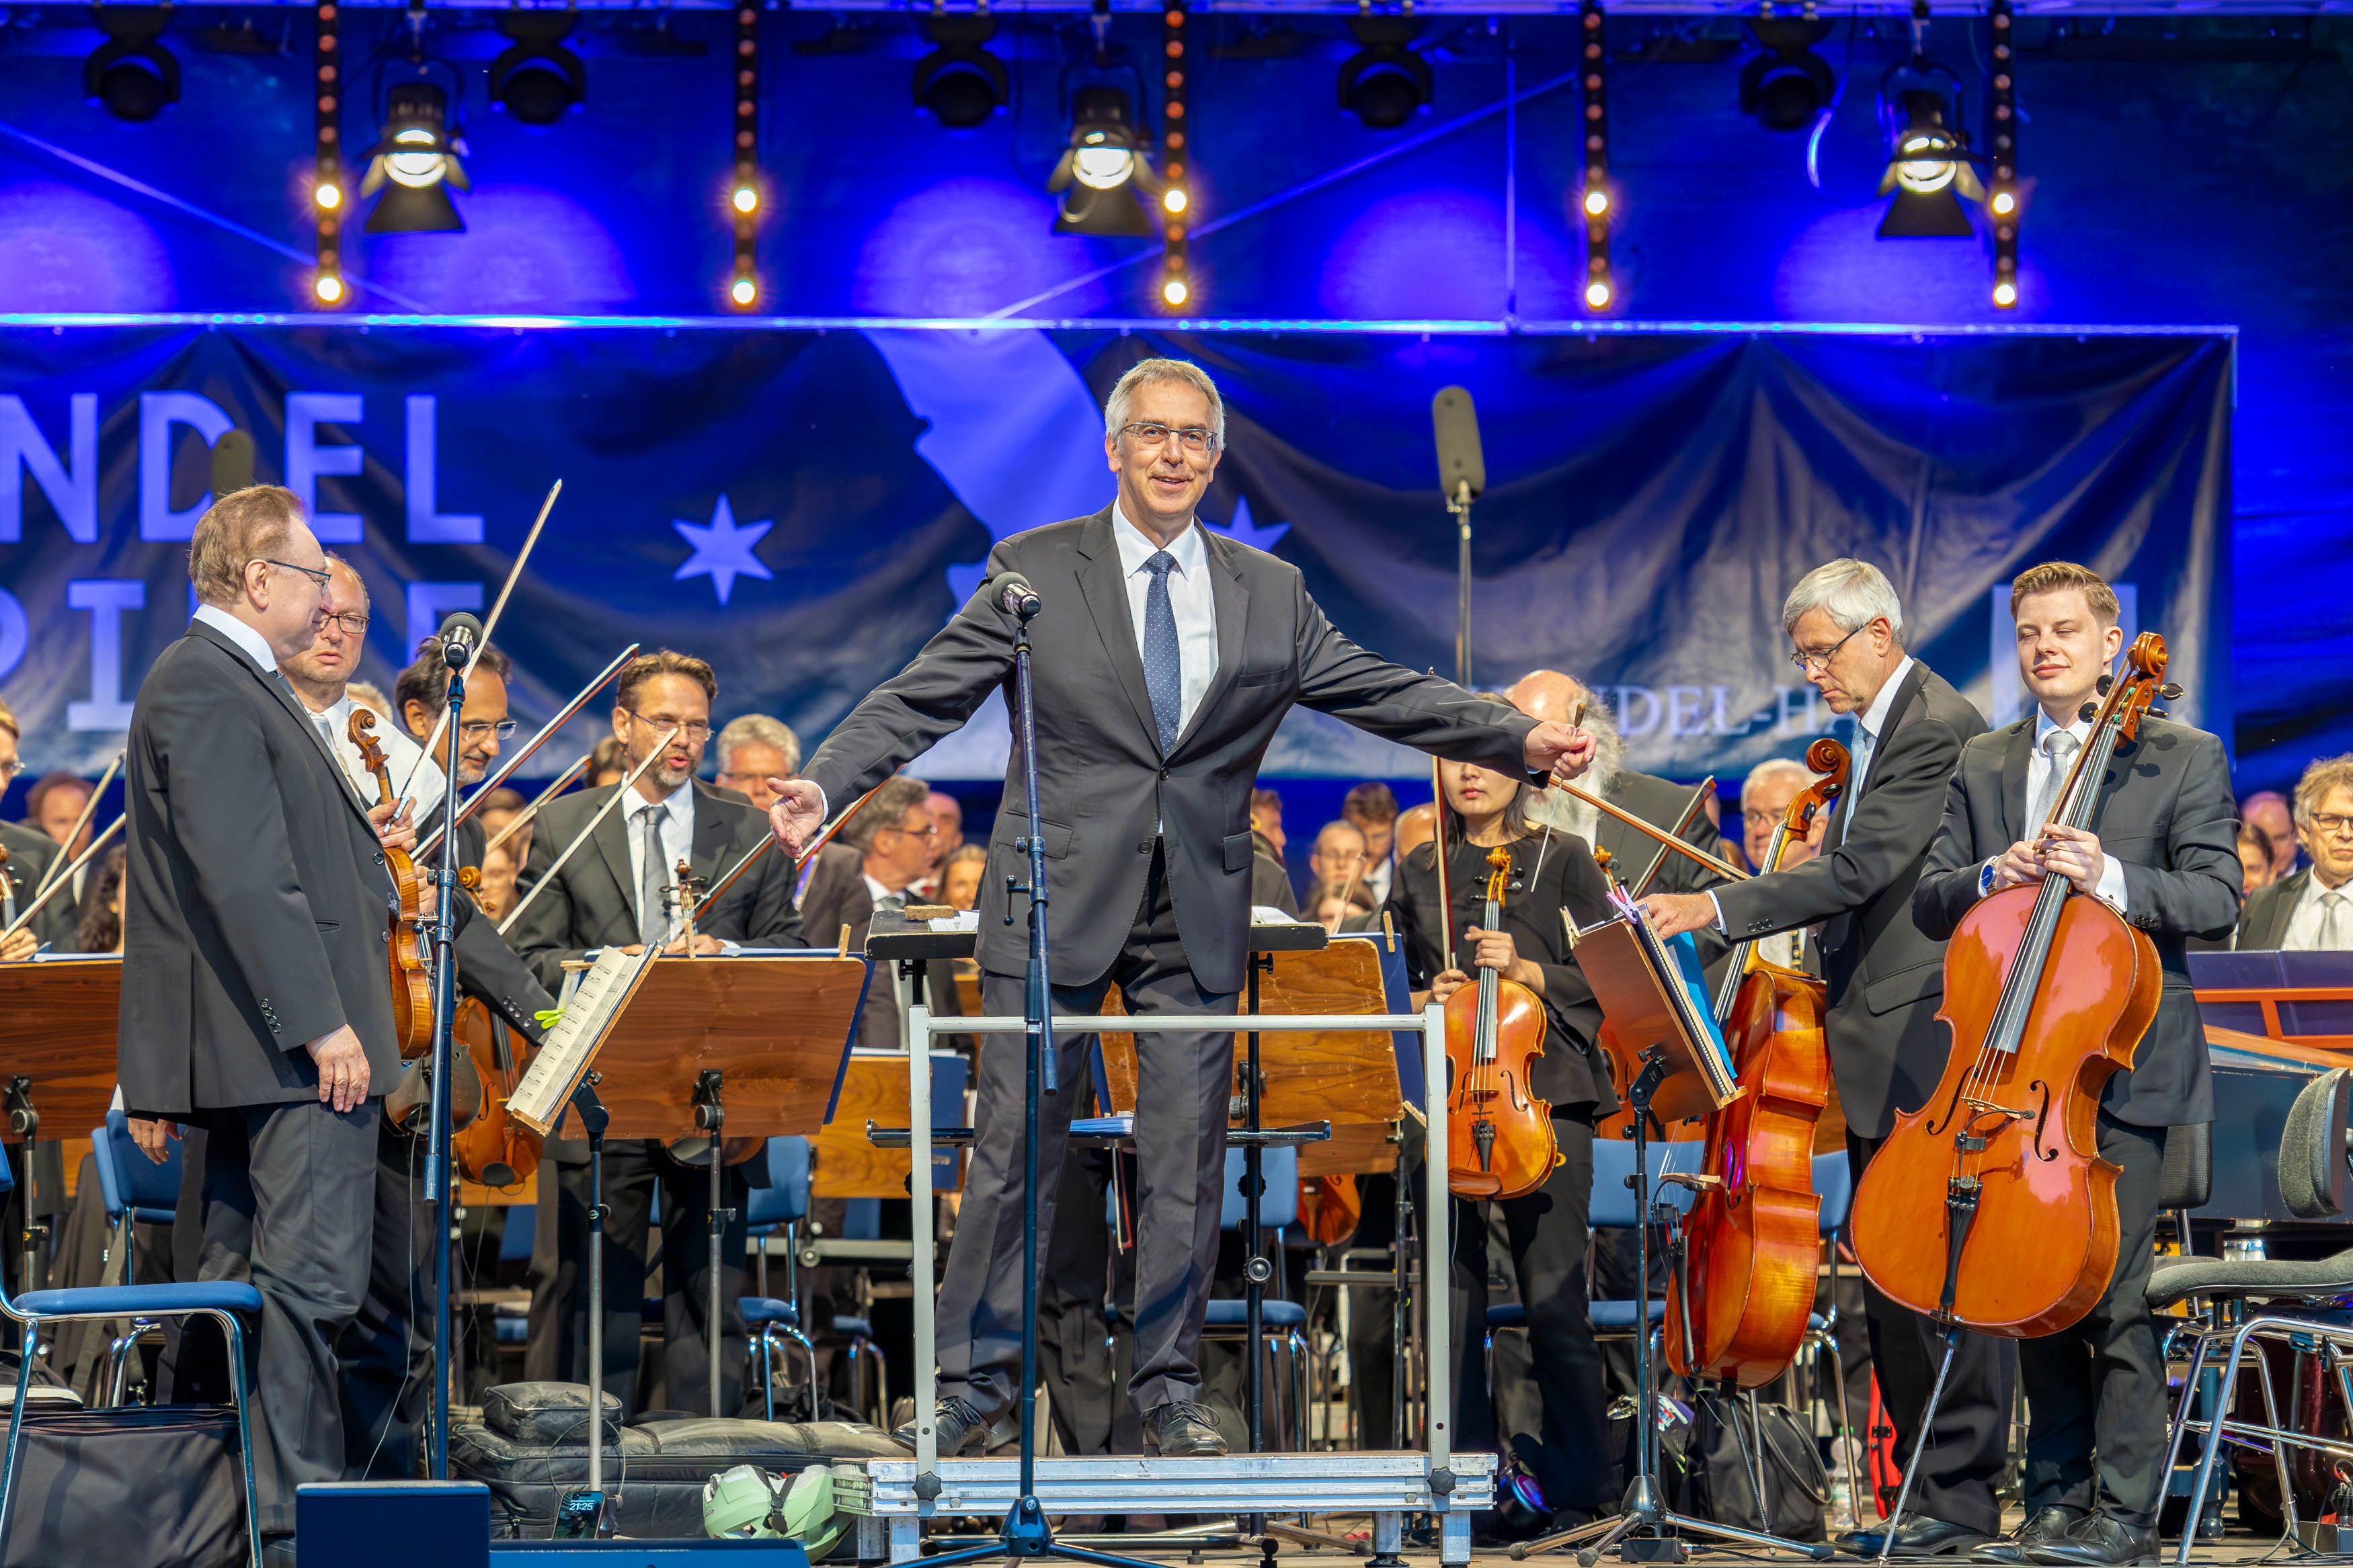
x=532, y=1446
x=140, y=1487
x=1726, y=1454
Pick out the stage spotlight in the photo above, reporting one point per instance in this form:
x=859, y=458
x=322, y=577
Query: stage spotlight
x=133, y=75
x=1927, y=171
x=537, y=80
x=2002, y=96
x=328, y=287
x=1098, y=174
x=415, y=159
x=327, y=150
x=328, y=196
x=959, y=84
x=1174, y=291
x=745, y=195
x=1786, y=86
x=1593, y=83
x=1597, y=294
x=1384, y=83
x=746, y=199
x=744, y=293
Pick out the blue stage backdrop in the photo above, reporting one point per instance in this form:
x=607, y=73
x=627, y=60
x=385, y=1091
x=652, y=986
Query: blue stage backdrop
x=804, y=507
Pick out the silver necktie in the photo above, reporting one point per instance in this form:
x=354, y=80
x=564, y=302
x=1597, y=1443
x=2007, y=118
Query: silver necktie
x=2057, y=747
x=653, y=922
x=2332, y=922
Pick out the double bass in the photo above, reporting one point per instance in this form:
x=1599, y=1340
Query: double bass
x=1744, y=1283
x=412, y=998
x=1499, y=1137
x=1990, y=1208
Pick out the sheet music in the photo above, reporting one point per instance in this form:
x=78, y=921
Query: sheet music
x=570, y=1046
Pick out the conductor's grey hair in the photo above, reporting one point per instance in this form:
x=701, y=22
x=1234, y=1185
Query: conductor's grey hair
x=1146, y=372
x=1851, y=593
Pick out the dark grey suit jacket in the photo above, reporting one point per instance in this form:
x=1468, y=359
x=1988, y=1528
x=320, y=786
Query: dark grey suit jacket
x=1101, y=780
x=2165, y=811
x=29, y=853
x=594, y=902
x=254, y=893
x=2263, y=924
x=487, y=967
x=1885, y=976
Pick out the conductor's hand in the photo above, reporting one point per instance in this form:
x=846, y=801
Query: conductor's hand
x=1446, y=984
x=150, y=1136
x=397, y=831
x=2018, y=867
x=798, y=812
x=1671, y=914
x=1559, y=750
x=19, y=945
x=343, y=1068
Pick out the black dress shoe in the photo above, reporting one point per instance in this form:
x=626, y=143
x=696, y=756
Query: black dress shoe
x=1917, y=1536
x=1181, y=1429
x=2096, y=1540
x=955, y=1423
x=2042, y=1525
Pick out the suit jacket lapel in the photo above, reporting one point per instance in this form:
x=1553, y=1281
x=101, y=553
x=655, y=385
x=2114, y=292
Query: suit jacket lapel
x=1105, y=586
x=1232, y=601
x=284, y=696
x=2015, y=756
x=2283, y=909
x=713, y=836
x=612, y=837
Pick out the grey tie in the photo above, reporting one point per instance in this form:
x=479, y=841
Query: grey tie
x=1860, y=747
x=1164, y=667
x=653, y=924
x=2058, y=746
x=891, y=904
x=2333, y=935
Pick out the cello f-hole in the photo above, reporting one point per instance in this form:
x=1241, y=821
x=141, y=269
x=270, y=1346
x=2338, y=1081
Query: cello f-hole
x=2042, y=1121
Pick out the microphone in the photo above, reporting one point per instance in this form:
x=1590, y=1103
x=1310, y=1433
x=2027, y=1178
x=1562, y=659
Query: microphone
x=1461, y=465
x=460, y=637
x=1011, y=591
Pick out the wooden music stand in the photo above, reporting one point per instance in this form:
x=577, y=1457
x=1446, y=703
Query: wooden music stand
x=844, y=1160
x=57, y=1020
x=729, y=1047
x=1648, y=1003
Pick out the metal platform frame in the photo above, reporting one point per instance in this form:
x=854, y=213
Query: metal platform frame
x=897, y=1495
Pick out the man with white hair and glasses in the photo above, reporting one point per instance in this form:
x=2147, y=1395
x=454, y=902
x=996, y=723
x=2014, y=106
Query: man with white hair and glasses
x=1886, y=982
x=1165, y=657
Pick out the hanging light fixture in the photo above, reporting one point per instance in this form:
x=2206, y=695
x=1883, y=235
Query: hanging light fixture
x=415, y=159
x=1100, y=174
x=960, y=84
x=1385, y=83
x=1927, y=172
x=743, y=200
x=537, y=80
x=132, y=74
x=1178, y=288
x=327, y=193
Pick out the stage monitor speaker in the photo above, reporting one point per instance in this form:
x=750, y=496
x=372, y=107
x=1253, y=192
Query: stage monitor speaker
x=393, y=1524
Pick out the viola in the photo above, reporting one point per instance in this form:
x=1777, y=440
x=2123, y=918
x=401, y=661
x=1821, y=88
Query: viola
x=1743, y=1281
x=496, y=1150
x=1990, y=1208
x=412, y=997
x=1499, y=1137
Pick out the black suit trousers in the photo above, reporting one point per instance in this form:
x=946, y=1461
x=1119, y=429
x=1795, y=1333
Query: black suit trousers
x=1969, y=1445
x=2100, y=1383
x=290, y=1194
x=387, y=1354
x=1183, y=1084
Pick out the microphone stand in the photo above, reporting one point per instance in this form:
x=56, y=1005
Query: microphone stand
x=1026, y=1532
x=439, y=1196
x=1458, y=503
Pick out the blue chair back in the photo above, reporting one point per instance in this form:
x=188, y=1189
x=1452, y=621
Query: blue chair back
x=521, y=1230
x=7, y=1176
x=862, y=1219
x=950, y=1072
x=1279, y=1168
x=1834, y=1181
x=128, y=1179
x=1616, y=1205
x=785, y=1199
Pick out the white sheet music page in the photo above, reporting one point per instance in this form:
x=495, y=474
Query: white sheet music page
x=571, y=1047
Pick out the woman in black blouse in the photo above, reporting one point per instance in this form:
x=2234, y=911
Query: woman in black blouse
x=1545, y=1228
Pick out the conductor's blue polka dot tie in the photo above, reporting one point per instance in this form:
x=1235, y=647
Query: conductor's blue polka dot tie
x=1164, y=667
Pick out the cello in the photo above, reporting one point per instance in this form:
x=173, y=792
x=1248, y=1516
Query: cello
x=1744, y=1281
x=1990, y=1208
x=412, y=998
x=1499, y=1138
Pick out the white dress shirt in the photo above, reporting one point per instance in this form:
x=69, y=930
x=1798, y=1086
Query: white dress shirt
x=1376, y=879
x=2042, y=770
x=2304, y=932
x=256, y=646
x=1189, y=596
x=676, y=836
x=877, y=892
x=400, y=756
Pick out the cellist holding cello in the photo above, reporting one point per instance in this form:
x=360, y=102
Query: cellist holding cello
x=1441, y=913
x=1883, y=978
x=2162, y=855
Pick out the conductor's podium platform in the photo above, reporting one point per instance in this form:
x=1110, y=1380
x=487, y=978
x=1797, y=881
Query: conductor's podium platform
x=1387, y=1485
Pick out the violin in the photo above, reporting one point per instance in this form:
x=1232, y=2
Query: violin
x=412, y=998
x=1743, y=1262
x=1499, y=1138
x=496, y=1150
x=1990, y=1208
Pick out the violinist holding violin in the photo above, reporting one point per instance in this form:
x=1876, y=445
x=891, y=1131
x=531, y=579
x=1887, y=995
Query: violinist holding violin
x=2162, y=851
x=1486, y=811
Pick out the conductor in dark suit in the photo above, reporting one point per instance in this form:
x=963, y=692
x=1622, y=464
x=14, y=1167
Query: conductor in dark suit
x=614, y=891
x=1885, y=979
x=254, y=996
x=1164, y=658
x=2162, y=849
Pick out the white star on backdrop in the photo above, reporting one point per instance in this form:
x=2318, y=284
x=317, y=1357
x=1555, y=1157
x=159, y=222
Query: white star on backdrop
x=722, y=549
